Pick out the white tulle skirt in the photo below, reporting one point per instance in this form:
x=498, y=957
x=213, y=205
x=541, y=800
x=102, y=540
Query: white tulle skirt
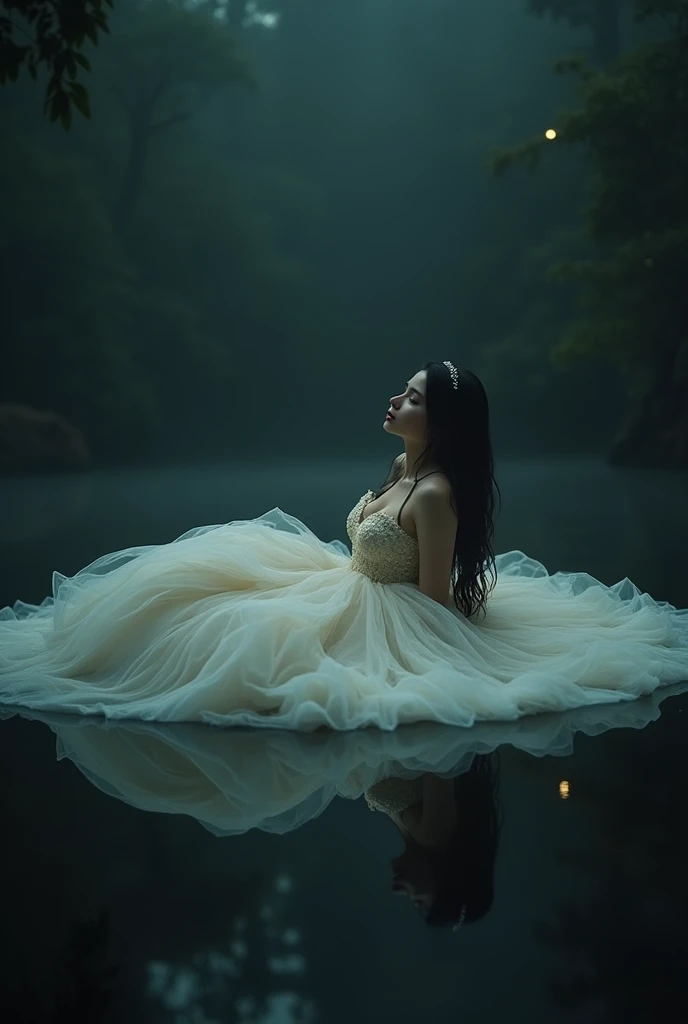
x=259, y=622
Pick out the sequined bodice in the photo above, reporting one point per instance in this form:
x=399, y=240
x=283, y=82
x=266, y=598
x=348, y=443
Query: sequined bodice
x=380, y=547
x=394, y=795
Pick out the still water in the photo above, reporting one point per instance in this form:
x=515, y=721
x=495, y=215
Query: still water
x=188, y=875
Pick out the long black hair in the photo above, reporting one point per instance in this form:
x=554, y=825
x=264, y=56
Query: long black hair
x=458, y=440
x=465, y=869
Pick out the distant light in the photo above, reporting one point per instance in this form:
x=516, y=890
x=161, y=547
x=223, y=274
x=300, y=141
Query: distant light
x=293, y=963
x=550, y=133
x=254, y=16
x=564, y=789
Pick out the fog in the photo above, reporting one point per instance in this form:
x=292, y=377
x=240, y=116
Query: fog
x=278, y=212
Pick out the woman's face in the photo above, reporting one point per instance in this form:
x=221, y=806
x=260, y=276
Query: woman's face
x=409, y=410
x=413, y=877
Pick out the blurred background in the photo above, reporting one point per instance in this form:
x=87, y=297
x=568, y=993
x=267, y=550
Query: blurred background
x=229, y=232
x=232, y=229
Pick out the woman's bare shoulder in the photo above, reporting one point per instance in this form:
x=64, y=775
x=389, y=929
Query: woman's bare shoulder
x=436, y=481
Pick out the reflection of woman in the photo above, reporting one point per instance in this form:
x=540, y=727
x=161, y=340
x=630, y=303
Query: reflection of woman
x=450, y=829
x=233, y=781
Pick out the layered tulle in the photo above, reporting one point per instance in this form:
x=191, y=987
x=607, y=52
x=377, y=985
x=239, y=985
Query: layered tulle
x=235, y=780
x=260, y=622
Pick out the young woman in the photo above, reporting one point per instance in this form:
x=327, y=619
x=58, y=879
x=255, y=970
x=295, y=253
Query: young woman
x=260, y=622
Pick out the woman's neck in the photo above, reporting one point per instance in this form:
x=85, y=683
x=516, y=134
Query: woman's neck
x=415, y=472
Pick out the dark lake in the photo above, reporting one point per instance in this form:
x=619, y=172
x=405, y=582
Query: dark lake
x=192, y=875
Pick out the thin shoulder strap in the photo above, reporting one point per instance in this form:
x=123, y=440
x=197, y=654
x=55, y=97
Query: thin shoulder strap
x=417, y=480
x=385, y=489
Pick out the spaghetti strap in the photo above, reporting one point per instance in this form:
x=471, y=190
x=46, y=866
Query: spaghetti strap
x=417, y=480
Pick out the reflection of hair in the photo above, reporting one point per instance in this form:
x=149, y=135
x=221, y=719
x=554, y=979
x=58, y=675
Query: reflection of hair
x=465, y=869
x=458, y=440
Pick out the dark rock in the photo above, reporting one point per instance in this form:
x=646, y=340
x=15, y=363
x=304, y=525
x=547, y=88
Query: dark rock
x=39, y=440
x=656, y=431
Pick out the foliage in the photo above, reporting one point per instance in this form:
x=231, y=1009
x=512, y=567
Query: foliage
x=164, y=63
x=633, y=123
x=60, y=30
x=134, y=333
x=603, y=18
x=86, y=334
x=165, y=41
x=68, y=299
x=165, y=46
x=575, y=12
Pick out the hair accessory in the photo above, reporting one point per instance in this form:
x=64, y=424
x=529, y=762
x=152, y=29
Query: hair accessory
x=462, y=915
x=454, y=374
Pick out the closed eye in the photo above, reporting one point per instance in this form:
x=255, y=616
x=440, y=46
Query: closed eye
x=413, y=402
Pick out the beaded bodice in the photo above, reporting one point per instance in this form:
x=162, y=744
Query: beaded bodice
x=394, y=795
x=380, y=547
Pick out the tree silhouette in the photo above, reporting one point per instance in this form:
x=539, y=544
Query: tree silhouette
x=163, y=64
x=601, y=16
x=633, y=122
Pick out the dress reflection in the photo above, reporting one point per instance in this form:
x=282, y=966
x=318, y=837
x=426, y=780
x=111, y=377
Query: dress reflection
x=439, y=785
x=232, y=781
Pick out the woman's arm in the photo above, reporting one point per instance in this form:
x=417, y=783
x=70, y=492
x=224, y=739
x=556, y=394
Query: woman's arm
x=436, y=526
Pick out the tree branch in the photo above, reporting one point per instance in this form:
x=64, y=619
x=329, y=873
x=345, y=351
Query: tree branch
x=127, y=102
x=167, y=122
x=23, y=31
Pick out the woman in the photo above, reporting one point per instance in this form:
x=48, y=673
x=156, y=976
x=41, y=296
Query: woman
x=450, y=829
x=259, y=622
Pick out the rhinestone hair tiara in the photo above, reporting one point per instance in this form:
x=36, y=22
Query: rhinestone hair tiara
x=462, y=915
x=454, y=374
